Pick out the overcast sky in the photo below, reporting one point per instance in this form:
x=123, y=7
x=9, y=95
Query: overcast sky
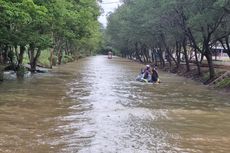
x=108, y=6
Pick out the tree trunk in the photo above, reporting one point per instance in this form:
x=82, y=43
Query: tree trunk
x=228, y=46
x=210, y=65
x=202, y=58
x=208, y=53
x=169, y=54
x=5, y=54
x=142, y=56
x=154, y=57
x=178, y=48
x=170, y=58
x=20, y=56
x=145, y=52
x=186, y=55
x=1, y=58
x=35, y=60
x=11, y=55
x=1, y=72
x=197, y=63
x=160, y=53
x=31, y=56
x=137, y=54
x=51, y=57
x=1, y=75
x=208, y=56
x=59, y=56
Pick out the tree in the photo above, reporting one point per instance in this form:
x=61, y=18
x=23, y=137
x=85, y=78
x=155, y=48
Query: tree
x=170, y=27
x=35, y=25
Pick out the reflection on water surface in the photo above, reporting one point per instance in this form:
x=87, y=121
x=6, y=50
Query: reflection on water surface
x=95, y=105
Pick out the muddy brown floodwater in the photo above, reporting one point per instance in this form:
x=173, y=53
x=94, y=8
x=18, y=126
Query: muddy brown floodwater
x=95, y=106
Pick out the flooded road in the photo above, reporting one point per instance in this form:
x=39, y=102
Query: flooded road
x=96, y=106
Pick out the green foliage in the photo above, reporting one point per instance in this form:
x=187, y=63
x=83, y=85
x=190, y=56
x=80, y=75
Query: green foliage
x=26, y=59
x=162, y=25
x=225, y=83
x=59, y=24
x=107, y=49
x=68, y=58
x=44, y=59
x=54, y=60
x=12, y=56
x=21, y=70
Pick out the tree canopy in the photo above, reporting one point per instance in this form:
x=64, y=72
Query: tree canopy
x=173, y=28
x=68, y=26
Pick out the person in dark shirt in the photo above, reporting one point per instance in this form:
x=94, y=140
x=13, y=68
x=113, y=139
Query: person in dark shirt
x=155, y=75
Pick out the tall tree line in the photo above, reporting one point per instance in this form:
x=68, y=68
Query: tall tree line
x=30, y=26
x=173, y=29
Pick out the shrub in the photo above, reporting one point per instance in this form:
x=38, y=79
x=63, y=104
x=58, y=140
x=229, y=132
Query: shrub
x=44, y=58
x=68, y=58
x=54, y=60
x=21, y=70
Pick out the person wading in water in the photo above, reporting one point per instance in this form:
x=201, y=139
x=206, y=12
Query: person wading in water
x=155, y=75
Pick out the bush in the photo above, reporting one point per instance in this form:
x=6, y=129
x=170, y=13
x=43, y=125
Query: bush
x=44, y=58
x=67, y=58
x=21, y=70
x=26, y=59
x=54, y=60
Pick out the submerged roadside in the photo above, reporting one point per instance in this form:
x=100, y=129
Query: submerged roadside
x=221, y=81
x=44, y=64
